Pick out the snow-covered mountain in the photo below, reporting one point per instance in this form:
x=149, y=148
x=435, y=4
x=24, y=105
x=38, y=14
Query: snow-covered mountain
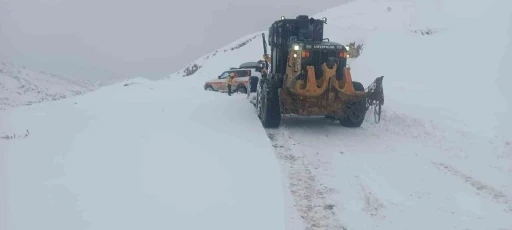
x=22, y=86
x=170, y=155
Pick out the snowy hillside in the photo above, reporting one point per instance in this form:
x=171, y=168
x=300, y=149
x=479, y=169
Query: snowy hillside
x=218, y=54
x=22, y=86
x=170, y=155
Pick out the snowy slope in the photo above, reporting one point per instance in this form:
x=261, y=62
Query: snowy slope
x=433, y=64
x=225, y=54
x=22, y=86
x=139, y=155
x=440, y=157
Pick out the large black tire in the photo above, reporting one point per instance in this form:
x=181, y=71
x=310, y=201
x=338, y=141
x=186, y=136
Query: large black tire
x=253, y=84
x=241, y=89
x=268, y=107
x=359, y=108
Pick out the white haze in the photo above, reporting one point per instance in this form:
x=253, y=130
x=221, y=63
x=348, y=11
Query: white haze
x=105, y=39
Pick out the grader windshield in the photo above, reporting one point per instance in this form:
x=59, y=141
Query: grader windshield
x=301, y=29
x=316, y=54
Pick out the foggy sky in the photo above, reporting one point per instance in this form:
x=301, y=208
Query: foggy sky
x=102, y=39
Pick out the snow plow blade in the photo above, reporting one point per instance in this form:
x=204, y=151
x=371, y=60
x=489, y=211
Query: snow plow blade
x=330, y=97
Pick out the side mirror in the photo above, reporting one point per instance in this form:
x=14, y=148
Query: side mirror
x=324, y=19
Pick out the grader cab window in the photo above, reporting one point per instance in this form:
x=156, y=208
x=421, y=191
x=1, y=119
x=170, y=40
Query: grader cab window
x=322, y=56
x=303, y=29
x=293, y=30
x=309, y=30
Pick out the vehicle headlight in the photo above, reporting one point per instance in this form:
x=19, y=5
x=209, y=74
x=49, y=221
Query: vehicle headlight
x=296, y=47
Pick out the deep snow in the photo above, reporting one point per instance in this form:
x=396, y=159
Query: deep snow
x=148, y=155
x=439, y=158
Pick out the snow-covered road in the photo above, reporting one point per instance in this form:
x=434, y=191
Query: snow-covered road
x=400, y=173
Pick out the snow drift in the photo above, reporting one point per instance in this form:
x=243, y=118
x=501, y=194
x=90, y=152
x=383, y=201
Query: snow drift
x=139, y=155
x=450, y=76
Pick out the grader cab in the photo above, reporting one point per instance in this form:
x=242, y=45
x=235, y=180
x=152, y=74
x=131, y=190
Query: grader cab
x=309, y=76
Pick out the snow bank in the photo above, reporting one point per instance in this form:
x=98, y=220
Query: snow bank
x=139, y=155
x=252, y=51
x=450, y=77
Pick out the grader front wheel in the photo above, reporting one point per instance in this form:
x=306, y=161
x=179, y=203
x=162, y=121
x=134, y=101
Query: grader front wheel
x=355, y=111
x=269, y=109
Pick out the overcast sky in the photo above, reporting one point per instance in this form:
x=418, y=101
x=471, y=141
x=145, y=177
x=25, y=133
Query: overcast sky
x=101, y=39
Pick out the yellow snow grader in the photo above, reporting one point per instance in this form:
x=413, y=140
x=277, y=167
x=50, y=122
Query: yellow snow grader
x=307, y=75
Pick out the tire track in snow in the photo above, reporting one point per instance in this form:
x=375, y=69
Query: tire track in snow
x=372, y=204
x=482, y=188
x=308, y=197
